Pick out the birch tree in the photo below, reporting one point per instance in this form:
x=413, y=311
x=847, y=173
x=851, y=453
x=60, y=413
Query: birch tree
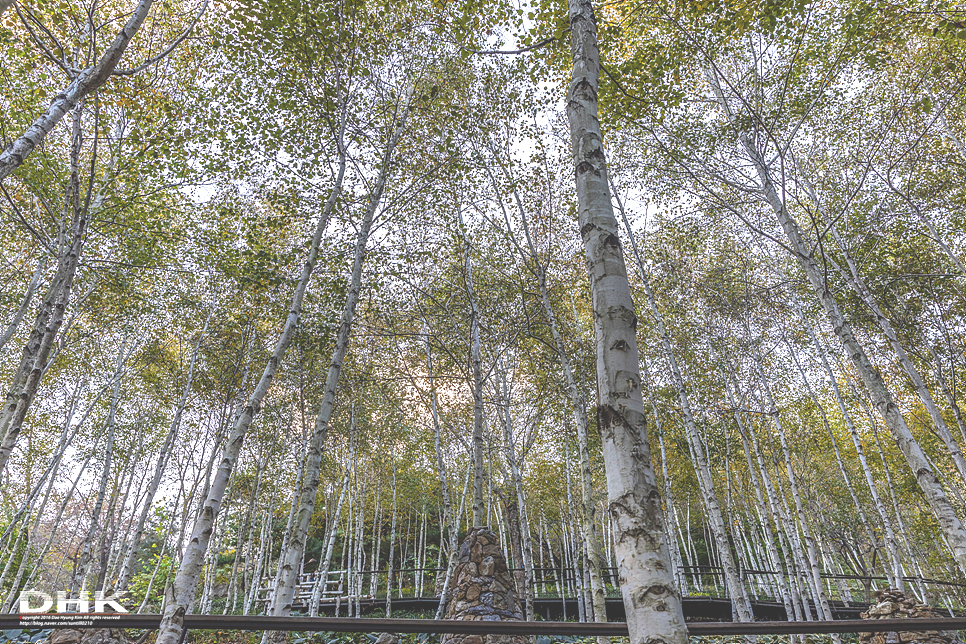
x=644, y=565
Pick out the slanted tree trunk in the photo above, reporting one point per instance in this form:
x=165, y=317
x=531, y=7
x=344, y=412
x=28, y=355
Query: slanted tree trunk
x=289, y=558
x=922, y=469
x=81, y=86
x=186, y=580
x=31, y=288
x=50, y=316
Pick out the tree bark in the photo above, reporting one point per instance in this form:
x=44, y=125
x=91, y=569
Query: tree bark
x=80, y=86
x=186, y=579
x=652, y=603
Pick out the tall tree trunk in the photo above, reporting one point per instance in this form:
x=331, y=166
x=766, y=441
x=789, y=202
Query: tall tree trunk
x=186, y=579
x=81, y=86
x=922, y=469
x=288, y=560
x=651, y=601
x=50, y=316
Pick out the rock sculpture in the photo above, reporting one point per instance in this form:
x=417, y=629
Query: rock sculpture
x=893, y=604
x=482, y=590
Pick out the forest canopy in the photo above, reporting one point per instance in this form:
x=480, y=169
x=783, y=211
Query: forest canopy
x=669, y=295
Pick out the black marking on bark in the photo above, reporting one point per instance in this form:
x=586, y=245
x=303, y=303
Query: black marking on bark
x=620, y=345
x=655, y=593
x=584, y=89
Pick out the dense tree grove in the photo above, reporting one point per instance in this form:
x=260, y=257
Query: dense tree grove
x=294, y=293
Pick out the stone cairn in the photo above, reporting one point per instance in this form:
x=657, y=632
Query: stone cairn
x=92, y=636
x=482, y=589
x=891, y=603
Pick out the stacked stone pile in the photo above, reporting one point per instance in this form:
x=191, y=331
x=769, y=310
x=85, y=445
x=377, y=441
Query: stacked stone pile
x=482, y=589
x=92, y=636
x=893, y=604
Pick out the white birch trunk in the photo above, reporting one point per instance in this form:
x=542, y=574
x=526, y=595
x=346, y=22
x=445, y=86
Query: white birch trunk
x=652, y=603
x=949, y=522
x=80, y=87
x=288, y=561
x=50, y=317
x=186, y=580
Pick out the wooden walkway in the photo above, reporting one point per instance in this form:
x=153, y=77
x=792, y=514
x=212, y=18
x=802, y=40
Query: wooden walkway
x=695, y=608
